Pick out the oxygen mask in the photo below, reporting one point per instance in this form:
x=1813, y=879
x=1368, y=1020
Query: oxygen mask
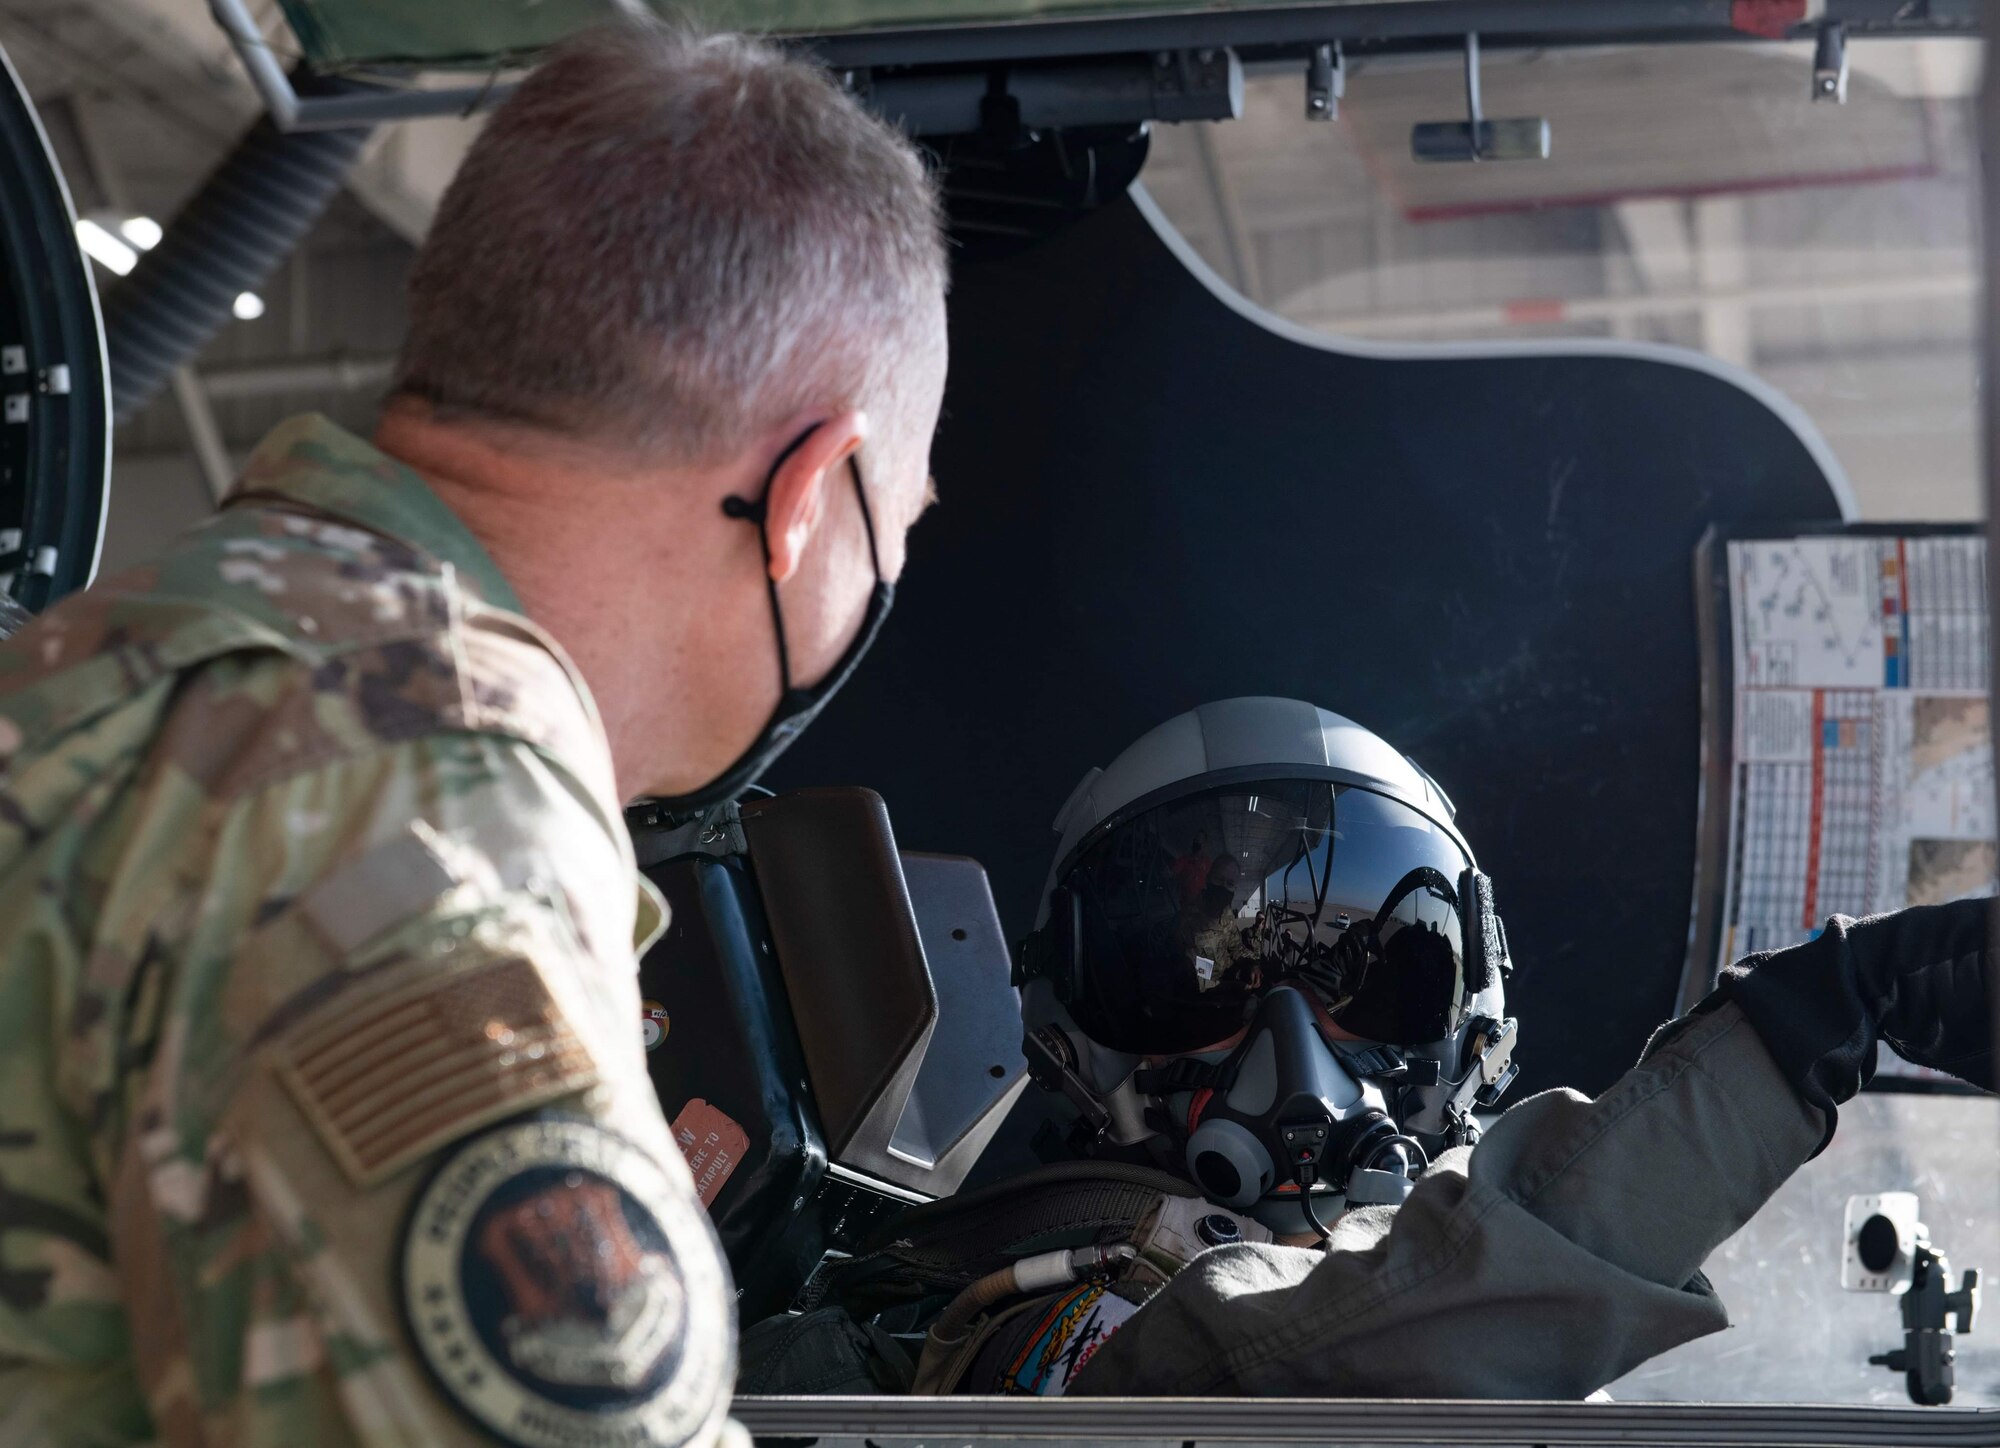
x=1279, y=1126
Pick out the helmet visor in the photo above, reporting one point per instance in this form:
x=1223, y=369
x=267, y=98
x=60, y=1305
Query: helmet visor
x=1192, y=908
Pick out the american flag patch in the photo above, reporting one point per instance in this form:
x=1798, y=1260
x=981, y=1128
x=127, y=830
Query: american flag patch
x=400, y=1075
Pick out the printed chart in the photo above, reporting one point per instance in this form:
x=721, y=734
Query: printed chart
x=1863, y=757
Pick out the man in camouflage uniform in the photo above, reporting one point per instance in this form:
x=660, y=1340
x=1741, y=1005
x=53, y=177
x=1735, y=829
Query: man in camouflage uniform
x=323, y=1114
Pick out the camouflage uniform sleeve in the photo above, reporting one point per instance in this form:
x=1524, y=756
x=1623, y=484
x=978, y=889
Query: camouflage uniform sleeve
x=391, y=1171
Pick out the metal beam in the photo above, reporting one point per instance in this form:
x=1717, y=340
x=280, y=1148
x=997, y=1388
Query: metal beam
x=400, y=177
x=234, y=381
x=1949, y=285
x=1237, y=242
x=204, y=435
x=1329, y=1421
x=1370, y=28
x=1657, y=245
x=290, y=111
x=1656, y=236
x=1296, y=30
x=105, y=174
x=1722, y=271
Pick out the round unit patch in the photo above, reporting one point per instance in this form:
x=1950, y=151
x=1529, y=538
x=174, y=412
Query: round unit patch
x=566, y=1292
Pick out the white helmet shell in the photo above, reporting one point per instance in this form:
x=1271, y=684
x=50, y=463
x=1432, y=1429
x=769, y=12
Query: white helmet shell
x=1252, y=735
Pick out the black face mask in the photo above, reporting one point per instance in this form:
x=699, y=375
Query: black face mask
x=796, y=707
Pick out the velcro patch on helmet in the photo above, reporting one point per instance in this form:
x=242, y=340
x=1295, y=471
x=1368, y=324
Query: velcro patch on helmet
x=392, y=1078
x=566, y=1292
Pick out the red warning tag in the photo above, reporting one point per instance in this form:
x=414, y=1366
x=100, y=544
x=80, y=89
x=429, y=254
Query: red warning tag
x=1772, y=19
x=713, y=1145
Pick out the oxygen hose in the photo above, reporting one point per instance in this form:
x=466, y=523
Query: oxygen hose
x=1395, y=1160
x=1312, y=1215
x=1030, y=1274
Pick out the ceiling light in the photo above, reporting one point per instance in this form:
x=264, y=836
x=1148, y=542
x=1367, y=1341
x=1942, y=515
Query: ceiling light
x=142, y=231
x=105, y=248
x=249, y=306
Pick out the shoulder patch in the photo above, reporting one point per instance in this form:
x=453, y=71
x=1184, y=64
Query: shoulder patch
x=566, y=1293
x=389, y=1079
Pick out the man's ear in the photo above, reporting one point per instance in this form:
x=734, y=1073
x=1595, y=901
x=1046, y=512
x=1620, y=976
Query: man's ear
x=797, y=500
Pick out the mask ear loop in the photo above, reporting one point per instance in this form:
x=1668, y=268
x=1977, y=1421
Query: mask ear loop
x=758, y=512
x=867, y=513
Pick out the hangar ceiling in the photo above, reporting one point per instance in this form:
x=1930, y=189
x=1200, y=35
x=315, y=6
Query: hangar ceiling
x=1694, y=196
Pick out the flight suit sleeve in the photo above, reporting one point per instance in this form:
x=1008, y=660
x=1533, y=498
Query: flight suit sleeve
x=394, y=1172
x=1560, y=1252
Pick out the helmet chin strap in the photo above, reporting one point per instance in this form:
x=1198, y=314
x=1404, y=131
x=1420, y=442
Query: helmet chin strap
x=1117, y=1116
x=1430, y=1104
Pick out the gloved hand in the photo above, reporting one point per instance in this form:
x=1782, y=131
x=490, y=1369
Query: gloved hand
x=1915, y=978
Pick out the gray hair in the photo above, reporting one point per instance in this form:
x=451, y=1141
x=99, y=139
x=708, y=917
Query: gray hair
x=674, y=241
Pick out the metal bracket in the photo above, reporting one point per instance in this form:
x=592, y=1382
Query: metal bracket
x=1326, y=82
x=290, y=111
x=717, y=832
x=1003, y=103
x=1197, y=85
x=1052, y=1066
x=1475, y=138
x=1926, y=1358
x=1829, y=77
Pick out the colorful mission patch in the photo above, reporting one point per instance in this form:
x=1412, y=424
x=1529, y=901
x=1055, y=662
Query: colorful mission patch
x=1069, y=1334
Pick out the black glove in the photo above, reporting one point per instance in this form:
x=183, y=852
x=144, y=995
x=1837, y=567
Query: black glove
x=1915, y=978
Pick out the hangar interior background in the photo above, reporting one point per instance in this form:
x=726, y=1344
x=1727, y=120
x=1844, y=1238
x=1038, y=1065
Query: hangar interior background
x=1694, y=197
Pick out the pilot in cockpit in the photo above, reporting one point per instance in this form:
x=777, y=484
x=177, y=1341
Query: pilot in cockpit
x=1277, y=1181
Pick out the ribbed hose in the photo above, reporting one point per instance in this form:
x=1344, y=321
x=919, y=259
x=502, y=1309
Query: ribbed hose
x=1030, y=1274
x=949, y=1329
x=246, y=219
